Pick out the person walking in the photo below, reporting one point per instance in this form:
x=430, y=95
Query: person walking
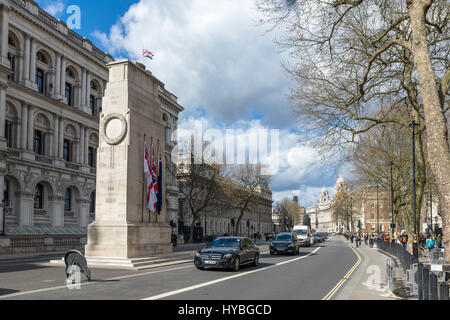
x=351, y=237
x=366, y=237
x=430, y=242
x=404, y=239
x=439, y=240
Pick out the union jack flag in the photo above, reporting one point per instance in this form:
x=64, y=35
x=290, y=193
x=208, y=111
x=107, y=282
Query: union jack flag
x=150, y=175
x=147, y=54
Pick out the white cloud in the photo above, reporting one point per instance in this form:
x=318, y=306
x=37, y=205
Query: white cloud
x=226, y=72
x=55, y=9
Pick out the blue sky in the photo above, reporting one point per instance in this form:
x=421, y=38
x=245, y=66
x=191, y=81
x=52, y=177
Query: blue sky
x=222, y=65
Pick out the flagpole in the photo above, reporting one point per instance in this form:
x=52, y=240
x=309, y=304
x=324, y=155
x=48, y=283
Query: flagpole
x=151, y=169
x=159, y=187
x=143, y=182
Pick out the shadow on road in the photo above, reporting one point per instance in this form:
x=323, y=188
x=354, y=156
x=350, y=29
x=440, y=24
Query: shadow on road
x=4, y=292
x=21, y=267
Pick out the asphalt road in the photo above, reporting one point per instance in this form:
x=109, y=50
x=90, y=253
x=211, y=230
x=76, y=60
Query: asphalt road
x=309, y=275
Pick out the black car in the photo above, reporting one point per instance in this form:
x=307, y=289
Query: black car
x=285, y=242
x=269, y=235
x=317, y=237
x=227, y=252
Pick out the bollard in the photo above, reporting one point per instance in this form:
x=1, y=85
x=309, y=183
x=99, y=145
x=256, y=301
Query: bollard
x=443, y=291
x=433, y=286
x=419, y=280
x=426, y=284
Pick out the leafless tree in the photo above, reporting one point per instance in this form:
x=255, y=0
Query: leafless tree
x=356, y=60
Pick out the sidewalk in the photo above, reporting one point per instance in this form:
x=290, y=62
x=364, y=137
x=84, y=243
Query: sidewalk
x=368, y=282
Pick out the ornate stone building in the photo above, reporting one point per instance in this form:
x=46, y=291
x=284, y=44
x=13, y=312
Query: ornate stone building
x=52, y=82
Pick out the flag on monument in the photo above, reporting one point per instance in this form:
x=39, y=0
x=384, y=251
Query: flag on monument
x=154, y=187
x=147, y=54
x=159, y=183
x=148, y=177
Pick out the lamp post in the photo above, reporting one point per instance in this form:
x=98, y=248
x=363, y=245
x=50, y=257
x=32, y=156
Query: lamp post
x=346, y=213
x=415, y=247
x=351, y=213
x=378, y=215
x=392, y=207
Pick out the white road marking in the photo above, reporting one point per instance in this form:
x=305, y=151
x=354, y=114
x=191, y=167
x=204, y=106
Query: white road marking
x=171, y=293
x=86, y=283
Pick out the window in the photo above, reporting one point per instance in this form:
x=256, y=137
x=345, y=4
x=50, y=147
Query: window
x=91, y=157
x=39, y=197
x=38, y=142
x=40, y=80
x=92, y=202
x=373, y=205
x=41, y=57
x=69, y=94
x=12, y=62
x=94, y=86
x=6, y=193
x=69, y=73
x=92, y=104
x=372, y=216
x=372, y=227
x=67, y=152
x=68, y=200
x=9, y=134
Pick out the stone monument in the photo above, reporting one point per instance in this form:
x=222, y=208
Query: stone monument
x=124, y=230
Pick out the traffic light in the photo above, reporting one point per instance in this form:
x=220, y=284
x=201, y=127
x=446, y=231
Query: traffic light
x=248, y=223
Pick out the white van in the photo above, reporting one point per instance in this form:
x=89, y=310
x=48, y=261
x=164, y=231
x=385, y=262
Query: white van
x=303, y=235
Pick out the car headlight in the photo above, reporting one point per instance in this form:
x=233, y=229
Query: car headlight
x=271, y=245
x=291, y=245
x=227, y=256
x=198, y=255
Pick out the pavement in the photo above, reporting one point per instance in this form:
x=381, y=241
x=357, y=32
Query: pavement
x=329, y=270
x=369, y=280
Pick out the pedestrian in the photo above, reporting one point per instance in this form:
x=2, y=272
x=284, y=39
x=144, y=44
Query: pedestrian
x=366, y=237
x=430, y=242
x=439, y=240
x=351, y=237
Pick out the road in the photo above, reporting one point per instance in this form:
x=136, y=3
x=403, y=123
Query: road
x=310, y=275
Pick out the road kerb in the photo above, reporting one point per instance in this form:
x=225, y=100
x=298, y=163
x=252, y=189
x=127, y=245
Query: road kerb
x=344, y=278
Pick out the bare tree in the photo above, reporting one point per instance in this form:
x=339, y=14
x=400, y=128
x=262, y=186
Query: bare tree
x=200, y=186
x=288, y=211
x=242, y=188
x=347, y=65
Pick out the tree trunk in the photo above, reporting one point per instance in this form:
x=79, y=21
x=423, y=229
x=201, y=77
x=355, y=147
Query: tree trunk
x=437, y=140
x=191, y=231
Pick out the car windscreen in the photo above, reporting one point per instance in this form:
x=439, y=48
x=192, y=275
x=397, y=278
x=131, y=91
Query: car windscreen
x=226, y=242
x=283, y=237
x=301, y=232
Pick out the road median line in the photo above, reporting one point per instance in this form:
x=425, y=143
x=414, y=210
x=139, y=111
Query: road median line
x=190, y=288
x=344, y=278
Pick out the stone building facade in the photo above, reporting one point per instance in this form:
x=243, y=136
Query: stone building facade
x=52, y=82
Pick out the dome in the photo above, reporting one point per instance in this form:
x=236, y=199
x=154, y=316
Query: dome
x=340, y=181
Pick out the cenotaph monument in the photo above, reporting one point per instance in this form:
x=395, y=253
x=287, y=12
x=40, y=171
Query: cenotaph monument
x=124, y=230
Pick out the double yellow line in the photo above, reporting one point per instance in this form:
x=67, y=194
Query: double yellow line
x=340, y=283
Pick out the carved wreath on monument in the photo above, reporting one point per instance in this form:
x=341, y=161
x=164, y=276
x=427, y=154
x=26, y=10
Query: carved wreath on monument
x=114, y=128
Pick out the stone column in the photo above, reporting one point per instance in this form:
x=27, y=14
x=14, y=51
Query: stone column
x=88, y=89
x=30, y=128
x=57, y=86
x=61, y=138
x=83, y=88
x=57, y=215
x=62, y=88
x=26, y=60
x=86, y=145
x=2, y=183
x=4, y=29
x=26, y=209
x=56, y=138
x=33, y=63
x=23, y=142
x=83, y=208
x=82, y=144
x=3, y=86
x=50, y=143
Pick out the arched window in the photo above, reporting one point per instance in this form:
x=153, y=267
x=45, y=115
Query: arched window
x=39, y=197
x=93, y=105
x=6, y=193
x=38, y=142
x=372, y=216
x=40, y=80
x=91, y=157
x=68, y=94
x=68, y=200
x=67, y=152
x=41, y=57
x=69, y=73
x=92, y=202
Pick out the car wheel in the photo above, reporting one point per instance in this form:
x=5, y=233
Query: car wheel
x=256, y=260
x=200, y=268
x=236, y=264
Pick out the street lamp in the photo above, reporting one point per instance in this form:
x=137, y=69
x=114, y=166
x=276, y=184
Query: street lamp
x=392, y=207
x=346, y=212
x=351, y=213
x=378, y=215
x=415, y=247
